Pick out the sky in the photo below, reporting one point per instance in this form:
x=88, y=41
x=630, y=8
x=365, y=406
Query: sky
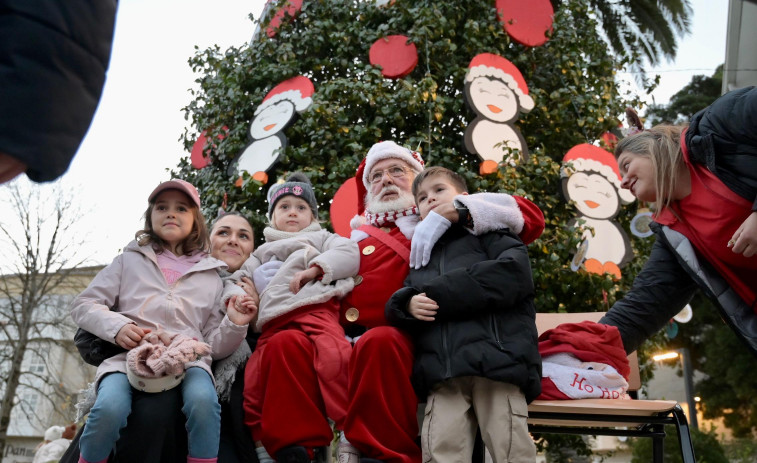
x=134, y=137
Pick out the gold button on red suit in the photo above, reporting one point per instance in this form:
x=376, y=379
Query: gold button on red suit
x=352, y=314
x=368, y=250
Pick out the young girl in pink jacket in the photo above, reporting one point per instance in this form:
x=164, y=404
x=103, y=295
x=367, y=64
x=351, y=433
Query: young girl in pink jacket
x=164, y=282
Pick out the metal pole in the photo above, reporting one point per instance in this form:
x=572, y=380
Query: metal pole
x=688, y=378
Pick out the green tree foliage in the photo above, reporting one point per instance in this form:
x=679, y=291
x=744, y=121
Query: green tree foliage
x=571, y=78
x=727, y=388
x=741, y=450
x=706, y=447
x=695, y=96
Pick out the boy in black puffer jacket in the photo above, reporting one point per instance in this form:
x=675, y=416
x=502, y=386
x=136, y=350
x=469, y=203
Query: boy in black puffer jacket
x=471, y=315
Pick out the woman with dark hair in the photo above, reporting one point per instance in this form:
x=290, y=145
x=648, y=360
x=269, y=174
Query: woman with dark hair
x=702, y=180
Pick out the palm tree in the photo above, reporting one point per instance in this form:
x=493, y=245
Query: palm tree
x=642, y=29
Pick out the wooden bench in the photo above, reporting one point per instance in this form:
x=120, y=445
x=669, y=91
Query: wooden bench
x=609, y=417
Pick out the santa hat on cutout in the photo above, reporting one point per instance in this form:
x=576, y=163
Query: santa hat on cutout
x=590, y=158
x=491, y=65
x=388, y=150
x=297, y=90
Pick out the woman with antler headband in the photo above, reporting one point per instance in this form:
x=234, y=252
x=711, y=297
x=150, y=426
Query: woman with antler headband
x=702, y=180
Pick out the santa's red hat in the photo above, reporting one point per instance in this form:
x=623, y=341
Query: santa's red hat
x=589, y=158
x=362, y=191
x=298, y=90
x=589, y=342
x=491, y=65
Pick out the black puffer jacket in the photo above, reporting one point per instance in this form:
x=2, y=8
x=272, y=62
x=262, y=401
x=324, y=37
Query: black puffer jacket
x=485, y=325
x=53, y=57
x=723, y=136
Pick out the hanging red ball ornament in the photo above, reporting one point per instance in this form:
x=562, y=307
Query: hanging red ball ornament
x=395, y=55
x=528, y=23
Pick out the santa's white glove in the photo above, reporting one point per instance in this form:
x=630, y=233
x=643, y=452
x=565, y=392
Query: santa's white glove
x=427, y=232
x=263, y=274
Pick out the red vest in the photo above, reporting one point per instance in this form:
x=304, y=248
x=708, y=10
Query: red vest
x=709, y=217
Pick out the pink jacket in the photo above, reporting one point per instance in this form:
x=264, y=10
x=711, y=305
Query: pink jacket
x=191, y=306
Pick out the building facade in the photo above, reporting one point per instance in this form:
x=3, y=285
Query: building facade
x=52, y=372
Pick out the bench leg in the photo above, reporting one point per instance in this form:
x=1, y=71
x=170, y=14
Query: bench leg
x=658, y=443
x=684, y=437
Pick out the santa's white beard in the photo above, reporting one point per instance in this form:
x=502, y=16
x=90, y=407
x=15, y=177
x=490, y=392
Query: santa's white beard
x=374, y=205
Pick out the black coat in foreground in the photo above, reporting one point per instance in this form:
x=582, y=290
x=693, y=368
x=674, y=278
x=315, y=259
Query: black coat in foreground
x=485, y=325
x=53, y=58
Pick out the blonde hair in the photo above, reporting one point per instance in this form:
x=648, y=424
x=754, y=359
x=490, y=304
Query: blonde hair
x=662, y=145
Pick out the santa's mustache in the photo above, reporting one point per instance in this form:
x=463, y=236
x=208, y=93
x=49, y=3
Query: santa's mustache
x=389, y=189
x=375, y=204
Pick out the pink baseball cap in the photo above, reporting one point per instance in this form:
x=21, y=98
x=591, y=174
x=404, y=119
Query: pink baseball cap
x=177, y=184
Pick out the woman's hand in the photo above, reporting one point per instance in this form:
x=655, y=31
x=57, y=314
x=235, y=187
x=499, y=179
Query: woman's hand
x=249, y=287
x=302, y=278
x=744, y=241
x=129, y=335
x=241, y=310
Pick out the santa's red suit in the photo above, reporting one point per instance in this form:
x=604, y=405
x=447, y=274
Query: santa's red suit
x=381, y=414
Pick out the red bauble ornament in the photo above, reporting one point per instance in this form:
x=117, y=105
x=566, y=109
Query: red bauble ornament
x=526, y=22
x=396, y=57
x=291, y=8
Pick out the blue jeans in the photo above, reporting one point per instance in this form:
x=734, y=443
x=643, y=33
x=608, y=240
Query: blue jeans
x=113, y=405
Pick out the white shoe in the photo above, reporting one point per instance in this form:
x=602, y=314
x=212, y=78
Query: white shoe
x=347, y=453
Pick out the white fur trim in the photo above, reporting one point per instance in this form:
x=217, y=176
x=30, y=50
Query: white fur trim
x=225, y=370
x=357, y=222
x=407, y=225
x=584, y=380
x=493, y=211
x=592, y=165
x=300, y=103
x=387, y=150
x=328, y=270
x=525, y=101
x=86, y=401
x=358, y=235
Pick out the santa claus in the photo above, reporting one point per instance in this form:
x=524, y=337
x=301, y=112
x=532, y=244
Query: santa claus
x=381, y=422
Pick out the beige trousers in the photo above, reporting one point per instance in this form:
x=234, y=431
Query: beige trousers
x=457, y=407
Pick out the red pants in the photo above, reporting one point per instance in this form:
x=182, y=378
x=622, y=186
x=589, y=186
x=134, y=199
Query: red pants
x=381, y=416
x=296, y=378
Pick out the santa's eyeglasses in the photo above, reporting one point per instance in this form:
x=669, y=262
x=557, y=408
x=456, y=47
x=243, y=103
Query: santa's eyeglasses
x=393, y=171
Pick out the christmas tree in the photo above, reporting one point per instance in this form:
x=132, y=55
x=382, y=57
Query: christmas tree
x=357, y=72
